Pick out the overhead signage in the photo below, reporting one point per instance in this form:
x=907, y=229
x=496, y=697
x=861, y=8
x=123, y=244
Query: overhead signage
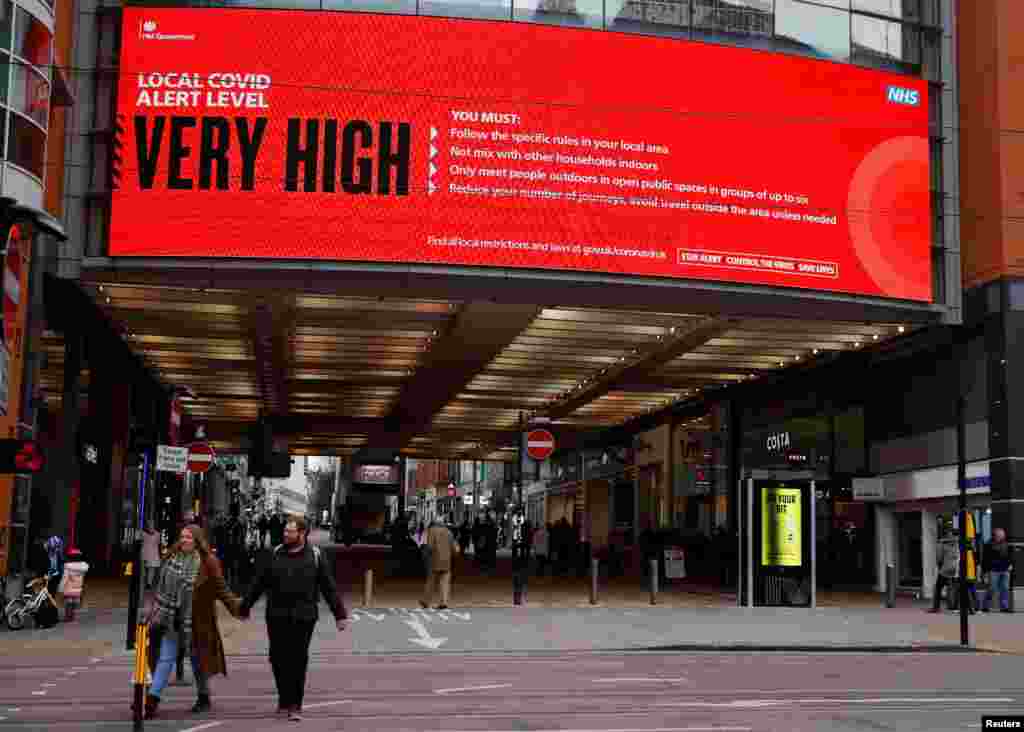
x=868, y=489
x=171, y=459
x=778, y=442
x=782, y=530
x=527, y=157
x=376, y=474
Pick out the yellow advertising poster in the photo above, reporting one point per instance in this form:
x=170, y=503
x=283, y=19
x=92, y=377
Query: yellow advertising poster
x=781, y=533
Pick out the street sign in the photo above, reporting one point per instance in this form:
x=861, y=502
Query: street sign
x=200, y=457
x=540, y=444
x=171, y=459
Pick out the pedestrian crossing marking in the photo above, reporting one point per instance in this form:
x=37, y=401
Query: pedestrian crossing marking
x=429, y=615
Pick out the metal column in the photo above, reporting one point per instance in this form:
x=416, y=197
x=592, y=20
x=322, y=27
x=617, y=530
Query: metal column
x=750, y=542
x=814, y=545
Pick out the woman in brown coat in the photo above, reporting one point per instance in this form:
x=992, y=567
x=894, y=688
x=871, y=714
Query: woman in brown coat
x=185, y=611
x=207, y=646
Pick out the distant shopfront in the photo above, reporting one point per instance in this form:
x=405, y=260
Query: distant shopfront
x=911, y=508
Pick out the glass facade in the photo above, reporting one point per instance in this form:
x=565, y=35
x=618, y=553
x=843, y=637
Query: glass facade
x=26, y=53
x=898, y=35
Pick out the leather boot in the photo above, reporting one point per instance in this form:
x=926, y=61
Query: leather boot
x=202, y=704
x=152, y=702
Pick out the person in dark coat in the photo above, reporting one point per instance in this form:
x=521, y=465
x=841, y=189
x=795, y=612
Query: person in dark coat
x=292, y=578
x=263, y=526
x=276, y=530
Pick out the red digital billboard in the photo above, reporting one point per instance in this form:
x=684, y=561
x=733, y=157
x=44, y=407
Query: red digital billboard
x=381, y=138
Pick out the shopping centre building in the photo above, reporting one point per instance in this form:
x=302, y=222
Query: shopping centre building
x=713, y=246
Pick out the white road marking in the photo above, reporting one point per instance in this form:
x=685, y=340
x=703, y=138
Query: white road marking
x=326, y=704
x=758, y=703
x=79, y=668
x=14, y=709
x=471, y=688
x=71, y=673
x=425, y=639
x=50, y=684
x=642, y=680
x=644, y=729
x=208, y=725
x=38, y=693
x=97, y=660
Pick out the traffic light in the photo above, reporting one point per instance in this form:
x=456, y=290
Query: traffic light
x=20, y=456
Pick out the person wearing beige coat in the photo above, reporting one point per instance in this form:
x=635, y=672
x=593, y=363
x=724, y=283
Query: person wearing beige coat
x=441, y=547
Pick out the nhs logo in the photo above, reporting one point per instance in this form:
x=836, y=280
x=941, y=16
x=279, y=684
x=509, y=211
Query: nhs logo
x=901, y=95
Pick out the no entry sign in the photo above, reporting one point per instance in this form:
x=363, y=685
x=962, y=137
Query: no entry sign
x=540, y=444
x=200, y=457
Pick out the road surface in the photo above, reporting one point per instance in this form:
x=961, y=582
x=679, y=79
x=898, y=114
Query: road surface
x=636, y=691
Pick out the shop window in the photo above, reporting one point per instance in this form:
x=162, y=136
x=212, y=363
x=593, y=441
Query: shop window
x=32, y=40
x=574, y=13
x=6, y=21
x=885, y=44
x=486, y=9
x=671, y=18
x=26, y=145
x=813, y=30
x=30, y=93
x=904, y=9
x=5, y=75
x=851, y=455
x=931, y=55
x=734, y=17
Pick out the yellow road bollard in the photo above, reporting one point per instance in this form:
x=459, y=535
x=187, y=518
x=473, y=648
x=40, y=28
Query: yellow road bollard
x=141, y=674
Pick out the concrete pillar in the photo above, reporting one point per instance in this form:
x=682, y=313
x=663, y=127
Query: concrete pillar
x=886, y=544
x=929, y=542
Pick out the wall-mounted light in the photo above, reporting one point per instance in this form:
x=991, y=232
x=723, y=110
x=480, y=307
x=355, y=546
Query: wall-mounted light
x=901, y=329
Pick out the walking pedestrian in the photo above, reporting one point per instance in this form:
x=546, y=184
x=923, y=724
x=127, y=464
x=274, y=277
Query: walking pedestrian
x=947, y=557
x=150, y=554
x=442, y=546
x=541, y=547
x=997, y=564
x=183, y=616
x=55, y=555
x=263, y=524
x=291, y=578
x=73, y=582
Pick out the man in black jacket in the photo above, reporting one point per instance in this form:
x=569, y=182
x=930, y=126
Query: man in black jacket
x=292, y=577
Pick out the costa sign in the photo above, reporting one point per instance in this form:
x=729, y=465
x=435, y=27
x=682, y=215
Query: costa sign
x=526, y=156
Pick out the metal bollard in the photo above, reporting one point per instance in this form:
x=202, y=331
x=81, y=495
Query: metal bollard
x=654, y=581
x=593, y=581
x=368, y=588
x=890, y=585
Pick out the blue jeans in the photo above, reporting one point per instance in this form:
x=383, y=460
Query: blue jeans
x=165, y=666
x=1001, y=584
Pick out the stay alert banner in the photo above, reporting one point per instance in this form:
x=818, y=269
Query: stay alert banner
x=381, y=138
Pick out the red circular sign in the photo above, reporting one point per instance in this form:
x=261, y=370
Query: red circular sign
x=200, y=457
x=12, y=287
x=540, y=444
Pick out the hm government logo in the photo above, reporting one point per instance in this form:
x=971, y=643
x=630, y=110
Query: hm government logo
x=902, y=95
x=148, y=31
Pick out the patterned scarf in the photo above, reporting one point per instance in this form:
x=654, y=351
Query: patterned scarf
x=174, y=594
